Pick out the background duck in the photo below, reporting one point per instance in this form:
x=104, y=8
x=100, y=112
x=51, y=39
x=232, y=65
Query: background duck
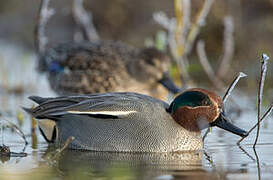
x=131, y=122
x=106, y=66
x=101, y=66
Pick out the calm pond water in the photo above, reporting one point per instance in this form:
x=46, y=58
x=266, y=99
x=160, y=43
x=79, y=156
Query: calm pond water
x=221, y=158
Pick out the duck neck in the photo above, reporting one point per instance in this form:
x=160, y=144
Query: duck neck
x=192, y=119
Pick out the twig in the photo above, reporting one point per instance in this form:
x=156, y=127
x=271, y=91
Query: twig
x=232, y=85
x=181, y=34
x=228, y=46
x=2, y=132
x=33, y=133
x=265, y=59
x=258, y=163
x=162, y=19
x=186, y=18
x=206, y=65
x=67, y=142
x=227, y=94
x=246, y=153
x=84, y=21
x=44, y=15
x=264, y=117
x=5, y=152
x=177, y=44
x=209, y=158
x=200, y=20
x=17, y=130
x=182, y=13
x=15, y=154
x=206, y=133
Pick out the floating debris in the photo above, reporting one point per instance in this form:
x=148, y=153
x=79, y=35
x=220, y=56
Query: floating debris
x=6, y=154
x=13, y=126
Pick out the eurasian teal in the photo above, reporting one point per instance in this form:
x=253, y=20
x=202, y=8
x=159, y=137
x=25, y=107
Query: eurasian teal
x=106, y=66
x=131, y=122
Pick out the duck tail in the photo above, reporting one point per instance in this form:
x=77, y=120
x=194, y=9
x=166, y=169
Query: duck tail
x=28, y=110
x=37, y=99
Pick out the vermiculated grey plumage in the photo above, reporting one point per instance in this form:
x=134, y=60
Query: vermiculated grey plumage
x=137, y=123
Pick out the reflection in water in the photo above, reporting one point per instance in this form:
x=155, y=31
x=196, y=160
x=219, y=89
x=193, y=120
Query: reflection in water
x=132, y=165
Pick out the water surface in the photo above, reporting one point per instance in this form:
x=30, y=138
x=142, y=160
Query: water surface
x=220, y=159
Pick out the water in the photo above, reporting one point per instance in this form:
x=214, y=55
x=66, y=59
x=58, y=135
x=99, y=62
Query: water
x=220, y=159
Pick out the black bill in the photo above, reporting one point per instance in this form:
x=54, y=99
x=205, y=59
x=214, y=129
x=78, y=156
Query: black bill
x=223, y=123
x=168, y=83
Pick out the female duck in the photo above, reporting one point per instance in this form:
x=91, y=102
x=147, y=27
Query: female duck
x=131, y=122
x=106, y=66
x=102, y=66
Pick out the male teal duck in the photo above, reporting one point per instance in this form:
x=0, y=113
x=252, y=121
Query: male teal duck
x=132, y=122
x=106, y=66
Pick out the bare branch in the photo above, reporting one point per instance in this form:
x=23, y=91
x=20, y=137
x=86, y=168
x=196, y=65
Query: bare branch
x=186, y=5
x=199, y=21
x=206, y=65
x=266, y=114
x=206, y=133
x=181, y=34
x=178, y=33
x=67, y=142
x=2, y=132
x=264, y=62
x=228, y=46
x=17, y=130
x=232, y=85
x=258, y=163
x=246, y=153
x=44, y=15
x=162, y=19
x=84, y=21
x=178, y=41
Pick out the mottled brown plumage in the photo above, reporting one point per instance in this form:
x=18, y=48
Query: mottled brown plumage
x=105, y=66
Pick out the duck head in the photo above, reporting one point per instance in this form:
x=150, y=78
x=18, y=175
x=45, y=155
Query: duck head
x=153, y=65
x=197, y=109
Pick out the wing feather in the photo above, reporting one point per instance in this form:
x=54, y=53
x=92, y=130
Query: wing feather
x=107, y=105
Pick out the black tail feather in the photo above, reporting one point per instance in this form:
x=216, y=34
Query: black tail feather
x=37, y=99
x=28, y=110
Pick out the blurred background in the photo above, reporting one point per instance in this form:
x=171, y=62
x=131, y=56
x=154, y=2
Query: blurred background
x=132, y=22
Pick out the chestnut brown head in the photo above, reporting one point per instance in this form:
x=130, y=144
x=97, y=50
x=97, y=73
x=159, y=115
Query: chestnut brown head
x=197, y=109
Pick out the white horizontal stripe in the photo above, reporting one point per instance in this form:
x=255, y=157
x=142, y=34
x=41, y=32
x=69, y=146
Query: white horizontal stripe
x=113, y=113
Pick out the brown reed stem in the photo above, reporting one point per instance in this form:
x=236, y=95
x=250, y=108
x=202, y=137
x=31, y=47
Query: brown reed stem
x=258, y=163
x=265, y=59
x=232, y=85
x=17, y=130
x=67, y=142
x=269, y=110
x=200, y=20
